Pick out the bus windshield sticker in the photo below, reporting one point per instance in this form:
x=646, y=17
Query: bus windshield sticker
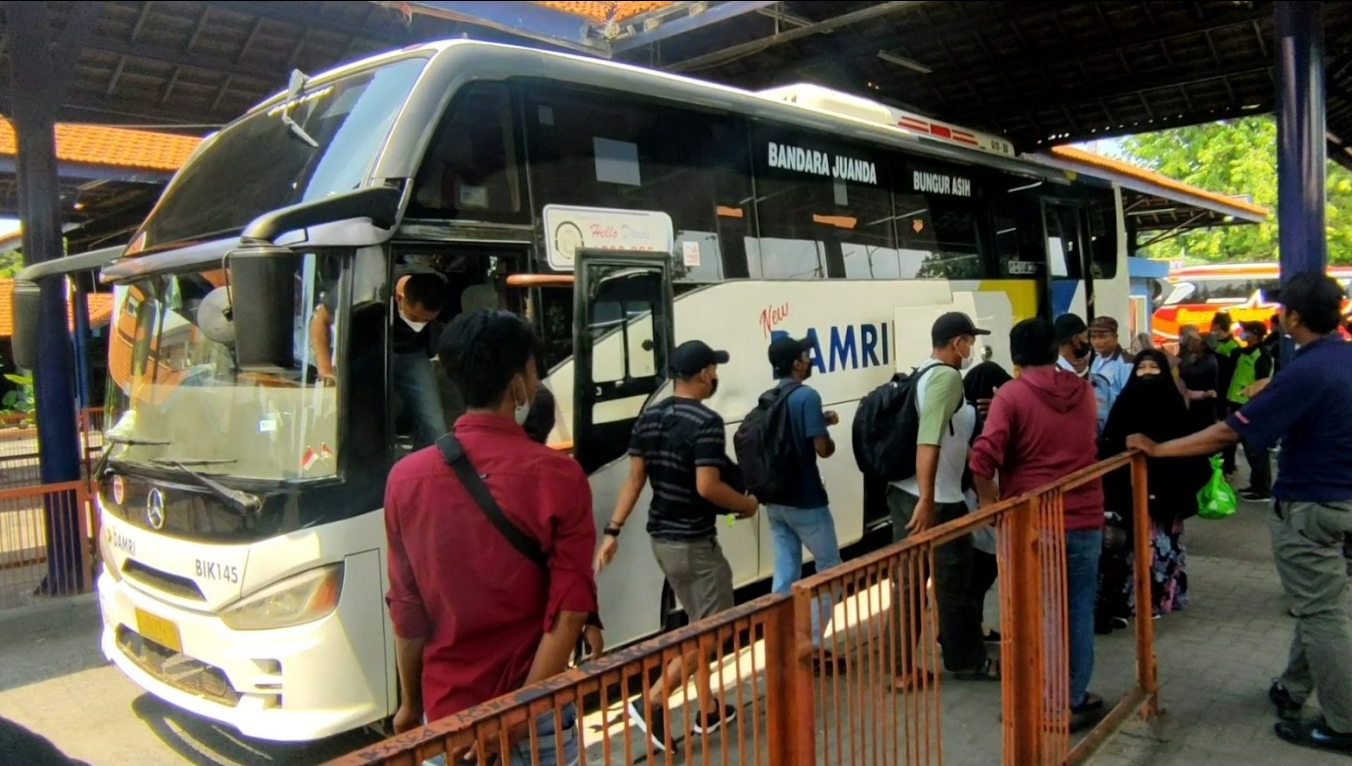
x=569, y=229
x=690, y=254
x=940, y=183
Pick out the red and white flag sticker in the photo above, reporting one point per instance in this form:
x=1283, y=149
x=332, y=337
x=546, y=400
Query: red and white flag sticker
x=308, y=460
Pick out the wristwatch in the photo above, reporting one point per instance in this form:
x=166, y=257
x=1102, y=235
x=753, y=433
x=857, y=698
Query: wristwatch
x=612, y=530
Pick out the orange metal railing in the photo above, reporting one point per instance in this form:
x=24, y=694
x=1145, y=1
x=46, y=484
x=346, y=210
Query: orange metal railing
x=793, y=710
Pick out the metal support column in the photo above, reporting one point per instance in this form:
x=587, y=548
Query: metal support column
x=1301, y=156
x=36, y=85
x=83, y=396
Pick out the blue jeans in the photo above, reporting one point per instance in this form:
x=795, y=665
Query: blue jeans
x=791, y=529
x=418, y=390
x=1083, y=549
x=549, y=750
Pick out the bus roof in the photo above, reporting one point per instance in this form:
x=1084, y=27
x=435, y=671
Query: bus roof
x=454, y=61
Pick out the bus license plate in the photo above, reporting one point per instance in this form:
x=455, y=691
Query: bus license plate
x=159, y=630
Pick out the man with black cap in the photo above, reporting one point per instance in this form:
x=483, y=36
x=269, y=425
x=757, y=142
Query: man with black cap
x=680, y=444
x=1072, y=339
x=801, y=517
x=934, y=495
x=1308, y=406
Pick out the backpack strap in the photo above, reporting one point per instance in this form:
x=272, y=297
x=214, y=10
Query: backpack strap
x=455, y=457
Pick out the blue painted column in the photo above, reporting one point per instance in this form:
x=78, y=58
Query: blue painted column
x=35, y=89
x=83, y=395
x=1301, y=160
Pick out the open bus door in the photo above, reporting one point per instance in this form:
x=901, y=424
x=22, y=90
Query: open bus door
x=623, y=335
x=1068, y=264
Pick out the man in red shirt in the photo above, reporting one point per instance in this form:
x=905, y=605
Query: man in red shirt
x=1042, y=426
x=474, y=617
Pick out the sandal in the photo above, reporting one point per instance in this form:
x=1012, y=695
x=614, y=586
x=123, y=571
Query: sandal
x=988, y=671
x=907, y=682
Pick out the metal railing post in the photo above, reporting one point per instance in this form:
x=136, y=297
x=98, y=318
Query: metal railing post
x=1143, y=552
x=1022, y=644
x=789, y=705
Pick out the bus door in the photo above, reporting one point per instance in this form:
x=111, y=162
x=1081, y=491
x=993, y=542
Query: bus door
x=1070, y=288
x=622, y=340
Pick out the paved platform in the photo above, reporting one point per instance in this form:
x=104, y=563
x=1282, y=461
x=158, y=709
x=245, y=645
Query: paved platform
x=1215, y=662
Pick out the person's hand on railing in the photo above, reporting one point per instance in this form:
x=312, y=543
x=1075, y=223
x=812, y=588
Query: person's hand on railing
x=1143, y=443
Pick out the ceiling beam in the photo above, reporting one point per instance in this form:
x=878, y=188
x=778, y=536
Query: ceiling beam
x=755, y=46
x=693, y=21
x=220, y=65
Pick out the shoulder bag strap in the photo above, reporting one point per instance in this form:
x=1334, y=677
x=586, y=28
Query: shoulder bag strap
x=455, y=457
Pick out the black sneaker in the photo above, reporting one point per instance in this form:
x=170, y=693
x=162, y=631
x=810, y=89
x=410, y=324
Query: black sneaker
x=1288, y=709
x=992, y=637
x=653, y=722
x=1315, y=734
x=1255, y=497
x=708, y=723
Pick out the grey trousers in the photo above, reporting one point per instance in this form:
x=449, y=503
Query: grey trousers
x=1307, y=543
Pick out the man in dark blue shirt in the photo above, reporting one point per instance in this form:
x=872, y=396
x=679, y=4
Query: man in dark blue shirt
x=802, y=517
x=679, y=445
x=1308, y=406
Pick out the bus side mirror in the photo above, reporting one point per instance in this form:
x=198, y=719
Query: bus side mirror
x=263, y=306
x=25, y=308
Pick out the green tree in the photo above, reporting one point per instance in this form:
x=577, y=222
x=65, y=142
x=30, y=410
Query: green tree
x=11, y=261
x=1237, y=157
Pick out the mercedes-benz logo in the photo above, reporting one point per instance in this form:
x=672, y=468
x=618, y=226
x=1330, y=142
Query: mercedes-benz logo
x=155, y=509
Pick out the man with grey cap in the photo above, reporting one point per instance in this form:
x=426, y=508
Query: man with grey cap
x=680, y=446
x=934, y=495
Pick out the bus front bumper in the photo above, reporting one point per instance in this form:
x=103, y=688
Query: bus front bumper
x=294, y=684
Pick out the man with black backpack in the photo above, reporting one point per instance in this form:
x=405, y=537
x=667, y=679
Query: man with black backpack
x=932, y=494
x=680, y=445
x=792, y=436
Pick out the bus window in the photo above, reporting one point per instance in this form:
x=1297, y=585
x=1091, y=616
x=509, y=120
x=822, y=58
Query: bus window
x=823, y=207
x=1020, y=250
x=938, y=219
x=1064, y=251
x=615, y=151
x=470, y=171
x=1103, y=237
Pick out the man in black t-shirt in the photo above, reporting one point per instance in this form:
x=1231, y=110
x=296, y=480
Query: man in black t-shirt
x=680, y=445
x=419, y=295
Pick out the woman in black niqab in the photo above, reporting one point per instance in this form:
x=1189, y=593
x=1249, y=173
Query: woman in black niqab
x=1150, y=404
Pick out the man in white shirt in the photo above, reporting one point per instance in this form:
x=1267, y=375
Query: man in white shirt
x=934, y=496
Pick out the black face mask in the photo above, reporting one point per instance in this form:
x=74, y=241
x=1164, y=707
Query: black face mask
x=1082, y=350
x=713, y=386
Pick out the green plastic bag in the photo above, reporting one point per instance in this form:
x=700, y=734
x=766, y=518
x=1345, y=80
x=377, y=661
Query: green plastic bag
x=1217, y=499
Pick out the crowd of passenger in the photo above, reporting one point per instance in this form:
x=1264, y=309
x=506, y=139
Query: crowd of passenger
x=493, y=550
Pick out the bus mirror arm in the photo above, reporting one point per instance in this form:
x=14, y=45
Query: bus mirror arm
x=379, y=203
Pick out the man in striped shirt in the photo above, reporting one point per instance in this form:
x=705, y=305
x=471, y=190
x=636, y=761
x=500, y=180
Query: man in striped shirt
x=680, y=445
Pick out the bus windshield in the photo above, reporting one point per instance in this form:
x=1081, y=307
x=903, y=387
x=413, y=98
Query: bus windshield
x=177, y=402
x=261, y=163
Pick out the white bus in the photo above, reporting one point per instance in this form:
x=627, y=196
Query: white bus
x=622, y=211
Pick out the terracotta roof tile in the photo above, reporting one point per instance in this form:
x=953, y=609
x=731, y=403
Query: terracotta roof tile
x=602, y=12
x=1127, y=169
x=111, y=147
x=100, y=309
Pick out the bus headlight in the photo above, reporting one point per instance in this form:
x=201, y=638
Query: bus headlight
x=298, y=599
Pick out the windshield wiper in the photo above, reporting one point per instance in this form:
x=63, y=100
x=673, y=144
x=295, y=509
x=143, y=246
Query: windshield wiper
x=130, y=441
x=243, y=502
x=193, y=461
x=294, y=90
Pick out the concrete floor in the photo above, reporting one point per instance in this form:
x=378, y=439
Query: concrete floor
x=53, y=680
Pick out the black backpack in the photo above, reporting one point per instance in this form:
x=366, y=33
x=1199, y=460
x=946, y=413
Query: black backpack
x=886, y=427
x=767, y=453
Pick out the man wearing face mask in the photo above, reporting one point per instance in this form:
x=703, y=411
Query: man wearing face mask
x=934, y=496
x=1072, y=339
x=419, y=295
x=1308, y=406
x=476, y=613
x=680, y=444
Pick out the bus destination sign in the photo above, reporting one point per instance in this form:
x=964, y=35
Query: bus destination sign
x=802, y=160
x=940, y=183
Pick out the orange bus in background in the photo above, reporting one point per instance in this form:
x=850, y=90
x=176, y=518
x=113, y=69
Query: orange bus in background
x=1193, y=295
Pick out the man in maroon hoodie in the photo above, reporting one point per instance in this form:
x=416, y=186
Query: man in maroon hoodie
x=1041, y=428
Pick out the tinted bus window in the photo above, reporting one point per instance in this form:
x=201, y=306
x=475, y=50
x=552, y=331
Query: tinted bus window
x=823, y=206
x=1020, y=247
x=938, y=216
x=1103, y=236
x=610, y=150
x=470, y=171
